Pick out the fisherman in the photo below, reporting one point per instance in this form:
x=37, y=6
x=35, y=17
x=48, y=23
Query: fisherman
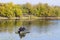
x=22, y=32
x=21, y=29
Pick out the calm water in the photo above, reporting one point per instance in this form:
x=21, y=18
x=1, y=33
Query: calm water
x=39, y=30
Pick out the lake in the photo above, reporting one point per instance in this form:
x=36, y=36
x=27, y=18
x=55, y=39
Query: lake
x=39, y=30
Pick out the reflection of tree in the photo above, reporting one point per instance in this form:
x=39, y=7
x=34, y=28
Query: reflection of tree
x=9, y=25
x=38, y=23
x=18, y=23
x=27, y=24
x=41, y=23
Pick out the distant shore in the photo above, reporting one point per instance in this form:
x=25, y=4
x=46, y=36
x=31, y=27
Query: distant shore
x=48, y=18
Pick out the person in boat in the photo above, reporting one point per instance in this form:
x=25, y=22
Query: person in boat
x=21, y=29
x=21, y=32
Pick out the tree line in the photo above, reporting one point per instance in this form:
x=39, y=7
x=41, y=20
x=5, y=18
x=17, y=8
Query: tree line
x=17, y=10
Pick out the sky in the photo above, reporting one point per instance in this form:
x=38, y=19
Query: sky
x=50, y=2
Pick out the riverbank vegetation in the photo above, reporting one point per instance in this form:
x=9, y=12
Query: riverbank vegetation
x=10, y=10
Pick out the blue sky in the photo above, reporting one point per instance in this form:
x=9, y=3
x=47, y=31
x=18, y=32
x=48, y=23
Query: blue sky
x=50, y=2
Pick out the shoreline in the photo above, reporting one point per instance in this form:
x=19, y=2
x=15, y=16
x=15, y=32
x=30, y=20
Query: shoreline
x=29, y=18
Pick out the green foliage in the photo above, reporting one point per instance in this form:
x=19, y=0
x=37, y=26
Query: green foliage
x=14, y=10
x=10, y=10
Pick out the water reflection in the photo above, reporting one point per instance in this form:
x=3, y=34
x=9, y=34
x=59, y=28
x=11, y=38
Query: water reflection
x=36, y=26
x=21, y=35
